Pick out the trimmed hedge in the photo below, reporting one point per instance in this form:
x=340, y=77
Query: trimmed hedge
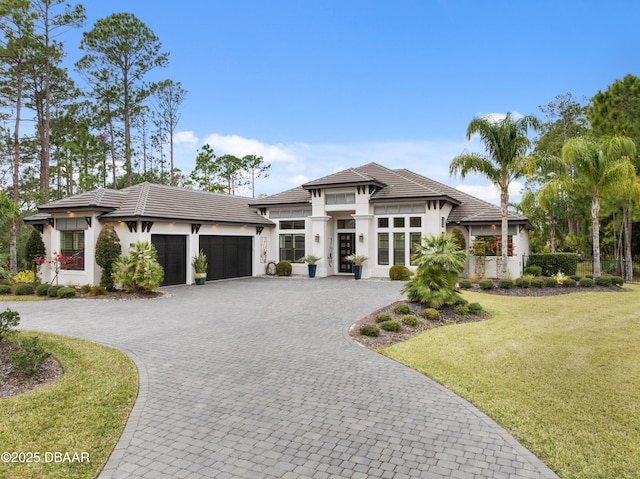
x=485, y=284
x=24, y=289
x=465, y=284
x=586, y=282
x=505, y=283
x=283, y=268
x=551, y=263
x=399, y=272
x=41, y=289
x=5, y=289
x=66, y=292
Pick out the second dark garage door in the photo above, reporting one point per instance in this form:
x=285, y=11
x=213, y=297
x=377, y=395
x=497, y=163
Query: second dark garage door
x=228, y=256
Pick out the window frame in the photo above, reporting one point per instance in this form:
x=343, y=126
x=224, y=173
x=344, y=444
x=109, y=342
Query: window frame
x=73, y=256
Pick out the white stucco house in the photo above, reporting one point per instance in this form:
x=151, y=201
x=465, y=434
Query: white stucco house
x=370, y=210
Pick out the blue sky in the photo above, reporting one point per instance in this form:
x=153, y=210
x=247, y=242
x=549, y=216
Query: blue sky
x=319, y=86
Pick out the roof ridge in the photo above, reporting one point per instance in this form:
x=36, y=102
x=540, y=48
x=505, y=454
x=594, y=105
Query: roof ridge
x=412, y=180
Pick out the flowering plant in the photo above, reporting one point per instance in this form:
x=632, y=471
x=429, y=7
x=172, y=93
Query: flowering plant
x=58, y=262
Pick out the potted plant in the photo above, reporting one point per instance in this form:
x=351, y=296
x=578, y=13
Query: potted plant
x=199, y=263
x=311, y=261
x=357, y=260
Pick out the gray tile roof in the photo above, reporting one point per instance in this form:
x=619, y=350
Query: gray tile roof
x=149, y=201
x=396, y=185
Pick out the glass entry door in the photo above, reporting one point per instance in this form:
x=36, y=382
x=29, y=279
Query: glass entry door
x=347, y=243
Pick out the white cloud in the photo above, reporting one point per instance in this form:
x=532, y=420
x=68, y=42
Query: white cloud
x=298, y=180
x=185, y=137
x=491, y=193
x=239, y=146
x=495, y=117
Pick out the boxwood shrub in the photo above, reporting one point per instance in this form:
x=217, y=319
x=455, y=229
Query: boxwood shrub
x=465, y=284
x=505, y=283
x=393, y=326
x=461, y=310
x=534, y=269
x=399, y=272
x=431, y=314
x=5, y=289
x=381, y=318
x=538, y=282
x=575, y=277
x=486, y=284
x=617, y=280
x=52, y=291
x=551, y=282
x=603, y=280
x=523, y=283
x=66, y=292
x=24, y=289
x=370, y=330
x=410, y=320
x=475, y=308
x=585, y=282
x=41, y=289
x=283, y=268
x=569, y=283
x=401, y=308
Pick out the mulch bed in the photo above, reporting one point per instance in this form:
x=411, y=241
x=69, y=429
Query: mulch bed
x=387, y=338
x=13, y=383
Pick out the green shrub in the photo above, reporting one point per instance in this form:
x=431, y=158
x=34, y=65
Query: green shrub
x=98, y=291
x=41, y=289
x=5, y=289
x=523, y=283
x=461, y=301
x=465, y=284
x=431, y=314
x=551, y=282
x=569, y=283
x=551, y=263
x=485, y=284
x=617, y=280
x=381, y=318
x=586, y=282
x=140, y=270
x=66, y=292
x=283, y=268
x=108, y=250
x=370, y=330
x=401, y=308
x=538, y=282
x=576, y=277
x=590, y=276
x=410, y=320
x=461, y=310
x=24, y=277
x=24, y=289
x=85, y=288
x=399, y=272
x=505, y=283
x=52, y=291
x=8, y=320
x=34, y=248
x=28, y=356
x=475, y=308
x=534, y=270
x=603, y=280
x=392, y=326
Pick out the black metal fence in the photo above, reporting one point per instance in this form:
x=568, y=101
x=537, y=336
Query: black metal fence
x=630, y=272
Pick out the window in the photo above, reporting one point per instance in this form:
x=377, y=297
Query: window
x=340, y=198
x=292, y=225
x=491, y=246
x=415, y=221
x=349, y=224
x=414, y=239
x=383, y=222
x=292, y=248
x=383, y=248
x=72, y=250
x=398, y=248
x=398, y=222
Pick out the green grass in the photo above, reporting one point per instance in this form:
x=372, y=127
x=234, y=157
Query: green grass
x=26, y=297
x=84, y=410
x=561, y=372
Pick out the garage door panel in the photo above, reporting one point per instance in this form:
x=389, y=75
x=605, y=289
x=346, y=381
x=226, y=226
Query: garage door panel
x=228, y=256
x=172, y=256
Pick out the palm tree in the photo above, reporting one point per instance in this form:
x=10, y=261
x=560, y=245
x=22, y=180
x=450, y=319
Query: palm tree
x=601, y=165
x=506, y=143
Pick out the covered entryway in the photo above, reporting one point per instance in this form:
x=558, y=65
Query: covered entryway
x=228, y=256
x=172, y=256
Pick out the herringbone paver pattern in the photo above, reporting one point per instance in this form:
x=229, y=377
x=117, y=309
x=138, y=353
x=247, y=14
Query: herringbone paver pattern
x=257, y=378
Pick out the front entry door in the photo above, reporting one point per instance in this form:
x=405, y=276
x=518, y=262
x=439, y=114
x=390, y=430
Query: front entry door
x=347, y=242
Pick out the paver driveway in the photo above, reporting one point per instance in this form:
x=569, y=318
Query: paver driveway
x=258, y=378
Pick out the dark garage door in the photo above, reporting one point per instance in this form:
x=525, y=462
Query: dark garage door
x=172, y=255
x=228, y=256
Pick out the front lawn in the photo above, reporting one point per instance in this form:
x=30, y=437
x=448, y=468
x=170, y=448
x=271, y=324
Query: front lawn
x=561, y=372
x=83, y=412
